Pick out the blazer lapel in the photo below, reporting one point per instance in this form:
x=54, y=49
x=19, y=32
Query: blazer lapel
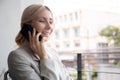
x=36, y=65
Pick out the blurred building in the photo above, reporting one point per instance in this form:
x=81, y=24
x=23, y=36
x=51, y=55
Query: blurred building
x=79, y=29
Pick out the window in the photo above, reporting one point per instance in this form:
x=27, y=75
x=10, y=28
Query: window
x=65, y=18
x=77, y=31
x=57, y=46
x=76, y=16
x=66, y=45
x=71, y=16
x=66, y=33
x=57, y=35
x=102, y=45
x=77, y=44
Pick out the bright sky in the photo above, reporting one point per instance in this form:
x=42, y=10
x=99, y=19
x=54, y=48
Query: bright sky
x=59, y=6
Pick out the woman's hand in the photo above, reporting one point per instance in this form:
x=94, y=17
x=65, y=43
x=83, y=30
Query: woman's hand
x=36, y=45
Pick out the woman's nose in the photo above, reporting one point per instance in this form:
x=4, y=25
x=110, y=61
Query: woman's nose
x=48, y=25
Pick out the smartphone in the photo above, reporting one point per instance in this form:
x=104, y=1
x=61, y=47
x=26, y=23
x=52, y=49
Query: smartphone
x=25, y=29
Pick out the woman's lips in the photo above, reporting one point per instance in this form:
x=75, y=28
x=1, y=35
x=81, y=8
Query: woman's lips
x=45, y=34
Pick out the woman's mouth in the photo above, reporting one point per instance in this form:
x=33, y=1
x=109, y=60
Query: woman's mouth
x=46, y=34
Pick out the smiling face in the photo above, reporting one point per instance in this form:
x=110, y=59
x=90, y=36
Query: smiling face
x=43, y=23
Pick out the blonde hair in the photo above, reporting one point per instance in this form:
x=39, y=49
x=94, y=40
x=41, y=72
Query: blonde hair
x=28, y=15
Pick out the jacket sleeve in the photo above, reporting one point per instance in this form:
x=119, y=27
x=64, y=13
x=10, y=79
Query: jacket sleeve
x=20, y=68
x=48, y=69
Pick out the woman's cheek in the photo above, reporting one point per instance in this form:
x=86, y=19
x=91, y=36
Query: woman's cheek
x=39, y=28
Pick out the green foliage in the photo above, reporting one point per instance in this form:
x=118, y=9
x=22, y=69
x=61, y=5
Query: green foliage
x=94, y=74
x=111, y=33
x=118, y=63
x=73, y=75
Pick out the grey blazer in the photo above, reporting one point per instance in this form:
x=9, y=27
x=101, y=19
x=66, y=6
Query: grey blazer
x=24, y=65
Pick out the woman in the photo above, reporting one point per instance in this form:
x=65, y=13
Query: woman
x=33, y=60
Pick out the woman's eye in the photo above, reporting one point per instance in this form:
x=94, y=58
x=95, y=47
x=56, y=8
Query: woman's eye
x=41, y=21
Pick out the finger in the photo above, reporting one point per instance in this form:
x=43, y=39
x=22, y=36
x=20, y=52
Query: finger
x=38, y=35
x=37, y=38
x=34, y=31
x=31, y=40
x=29, y=33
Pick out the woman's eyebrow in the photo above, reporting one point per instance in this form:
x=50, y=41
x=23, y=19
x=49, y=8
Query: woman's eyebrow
x=45, y=18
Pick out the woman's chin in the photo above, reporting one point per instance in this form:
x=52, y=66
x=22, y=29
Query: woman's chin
x=45, y=38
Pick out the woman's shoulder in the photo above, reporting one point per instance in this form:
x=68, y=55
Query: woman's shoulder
x=20, y=53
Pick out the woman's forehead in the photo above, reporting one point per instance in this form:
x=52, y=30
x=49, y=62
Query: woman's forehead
x=45, y=14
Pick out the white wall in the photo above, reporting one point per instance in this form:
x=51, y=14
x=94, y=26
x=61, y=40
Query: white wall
x=10, y=14
x=9, y=21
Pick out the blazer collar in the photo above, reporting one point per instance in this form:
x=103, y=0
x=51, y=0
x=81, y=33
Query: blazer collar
x=35, y=57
